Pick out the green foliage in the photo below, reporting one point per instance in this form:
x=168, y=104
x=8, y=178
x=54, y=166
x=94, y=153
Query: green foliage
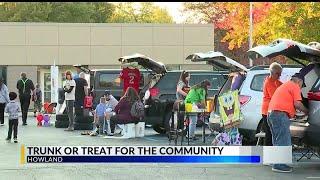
x=147, y=13
x=294, y=20
x=82, y=12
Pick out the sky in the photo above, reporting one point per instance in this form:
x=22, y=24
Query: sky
x=173, y=9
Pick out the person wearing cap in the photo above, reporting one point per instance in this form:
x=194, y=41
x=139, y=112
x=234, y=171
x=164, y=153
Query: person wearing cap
x=282, y=107
x=197, y=95
x=271, y=83
x=112, y=102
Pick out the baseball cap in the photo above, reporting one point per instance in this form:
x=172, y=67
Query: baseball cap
x=300, y=76
x=107, y=92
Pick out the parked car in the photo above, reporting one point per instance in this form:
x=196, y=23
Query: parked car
x=159, y=110
x=309, y=131
x=250, y=92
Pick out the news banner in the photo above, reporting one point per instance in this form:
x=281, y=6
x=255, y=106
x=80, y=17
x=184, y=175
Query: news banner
x=156, y=154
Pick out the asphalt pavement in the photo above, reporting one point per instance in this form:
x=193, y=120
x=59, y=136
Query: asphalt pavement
x=33, y=135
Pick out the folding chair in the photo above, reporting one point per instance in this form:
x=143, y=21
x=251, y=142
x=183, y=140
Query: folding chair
x=305, y=150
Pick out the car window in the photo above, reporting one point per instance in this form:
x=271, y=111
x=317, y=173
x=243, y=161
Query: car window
x=257, y=82
x=316, y=87
x=109, y=81
x=216, y=80
x=168, y=81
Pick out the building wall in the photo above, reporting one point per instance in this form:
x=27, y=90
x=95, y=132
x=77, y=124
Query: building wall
x=13, y=75
x=100, y=44
x=33, y=47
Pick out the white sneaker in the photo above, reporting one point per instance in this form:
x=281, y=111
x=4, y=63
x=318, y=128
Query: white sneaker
x=267, y=164
x=110, y=134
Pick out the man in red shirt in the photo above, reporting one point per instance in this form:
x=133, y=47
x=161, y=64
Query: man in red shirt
x=284, y=102
x=271, y=83
x=131, y=77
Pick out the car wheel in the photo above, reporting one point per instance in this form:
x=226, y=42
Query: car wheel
x=159, y=129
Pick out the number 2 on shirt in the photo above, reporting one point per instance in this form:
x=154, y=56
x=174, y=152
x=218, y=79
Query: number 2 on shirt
x=131, y=81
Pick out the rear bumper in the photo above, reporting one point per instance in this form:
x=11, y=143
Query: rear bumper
x=313, y=135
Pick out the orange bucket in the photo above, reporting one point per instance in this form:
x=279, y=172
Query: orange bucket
x=209, y=105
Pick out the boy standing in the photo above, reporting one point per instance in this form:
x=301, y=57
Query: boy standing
x=99, y=116
x=13, y=109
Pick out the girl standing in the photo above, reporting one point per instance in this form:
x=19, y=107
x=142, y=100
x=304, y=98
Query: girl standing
x=197, y=95
x=69, y=89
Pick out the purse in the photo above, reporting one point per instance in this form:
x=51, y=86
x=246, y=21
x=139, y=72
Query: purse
x=88, y=102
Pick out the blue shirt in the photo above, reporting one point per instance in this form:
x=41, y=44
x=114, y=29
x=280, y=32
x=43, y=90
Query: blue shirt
x=101, y=109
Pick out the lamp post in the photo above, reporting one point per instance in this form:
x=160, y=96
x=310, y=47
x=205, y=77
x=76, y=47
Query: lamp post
x=250, y=33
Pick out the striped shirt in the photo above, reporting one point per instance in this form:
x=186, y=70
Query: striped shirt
x=13, y=109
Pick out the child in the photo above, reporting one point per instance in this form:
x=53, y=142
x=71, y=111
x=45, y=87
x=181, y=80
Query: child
x=99, y=116
x=13, y=108
x=37, y=100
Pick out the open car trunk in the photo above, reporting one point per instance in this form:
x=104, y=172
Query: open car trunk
x=220, y=62
x=158, y=69
x=145, y=62
x=299, y=52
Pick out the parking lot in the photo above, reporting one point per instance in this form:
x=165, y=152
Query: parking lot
x=33, y=135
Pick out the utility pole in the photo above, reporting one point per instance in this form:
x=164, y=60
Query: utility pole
x=250, y=32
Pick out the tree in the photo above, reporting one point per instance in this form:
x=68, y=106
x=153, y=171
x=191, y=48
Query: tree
x=82, y=12
x=298, y=21
x=146, y=13
x=25, y=12
x=69, y=12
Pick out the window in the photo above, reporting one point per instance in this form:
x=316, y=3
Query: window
x=109, y=81
x=168, y=81
x=47, y=87
x=257, y=82
x=316, y=87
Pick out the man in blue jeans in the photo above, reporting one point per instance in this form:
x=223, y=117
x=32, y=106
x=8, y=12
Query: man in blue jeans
x=284, y=102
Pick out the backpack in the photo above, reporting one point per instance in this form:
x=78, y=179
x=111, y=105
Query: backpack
x=137, y=109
